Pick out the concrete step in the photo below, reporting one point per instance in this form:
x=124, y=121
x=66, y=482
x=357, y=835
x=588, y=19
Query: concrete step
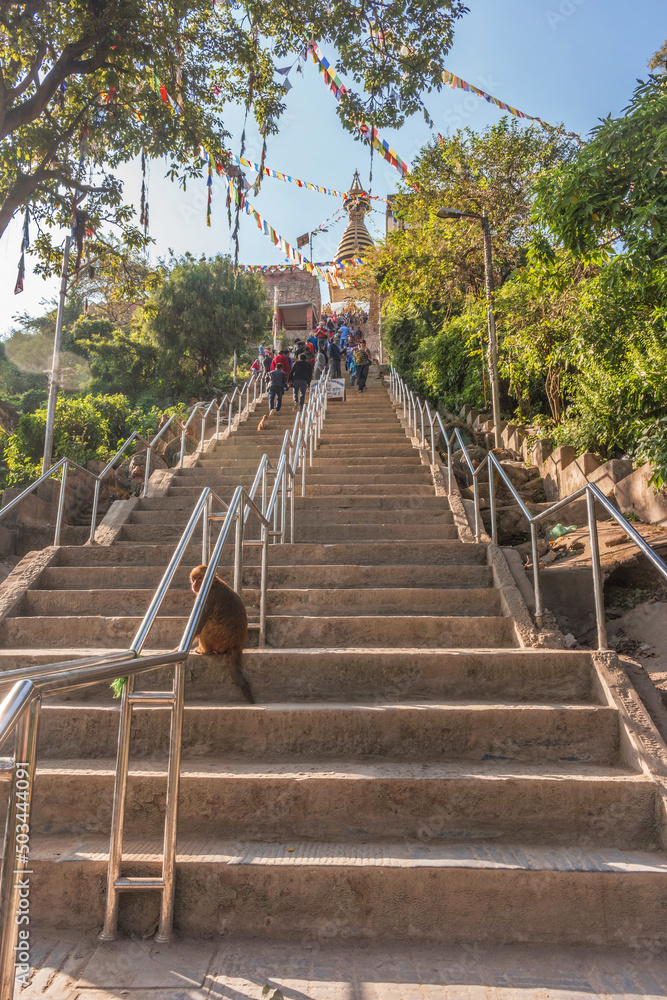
x=324, y=602
x=416, y=552
x=489, y=801
x=180, y=516
x=406, y=463
x=85, y=578
x=400, y=450
x=342, y=531
x=387, y=489
x=425, y=732
x=306, y=505
x=353, y=675
x=422, y=476
x=296, y=891
x=343, y=515
x=419, y=631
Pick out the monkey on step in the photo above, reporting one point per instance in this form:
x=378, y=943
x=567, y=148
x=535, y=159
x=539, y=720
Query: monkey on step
x=224, y=625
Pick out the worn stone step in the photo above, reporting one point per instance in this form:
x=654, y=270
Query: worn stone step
x=325, y=602
x=427, y=553
x=391, y=478
x=565, y=804
x=382, y=531
x=419, y=631
x=371, y=504
x=352, y=675
x=180, y=516
x=361, y=451
x=86, y=578
x=344, y=515
x=370, y=489
x=407, y=463
x=139, y=577
x=296, y=891
x=311, y=732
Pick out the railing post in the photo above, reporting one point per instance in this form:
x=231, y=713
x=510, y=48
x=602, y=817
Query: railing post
x=598, y=588
x=450, y=469
x=93, y=519
x=283, y=505
x=14, y=887
x=203, y=432
x=61, y=505
x=166, y=925
x=238, y=549
x=180, y=464
x=303, y=468
x=475, y=490
x=217, y=424
x=109, y=930
x=292, y=512
x=536, y=574
x=263, y=584
x=432, y=422
x=206, y=531
x=148, y=470
x=421, y=414
x=229, y=416
x=492, y=504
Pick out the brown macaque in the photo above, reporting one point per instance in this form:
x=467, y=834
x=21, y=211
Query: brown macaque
x=263, y=422
x=224, y=625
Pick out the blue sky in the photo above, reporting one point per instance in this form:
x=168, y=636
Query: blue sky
x=574, y=61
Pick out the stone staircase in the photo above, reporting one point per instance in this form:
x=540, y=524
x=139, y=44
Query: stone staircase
x=410, y=772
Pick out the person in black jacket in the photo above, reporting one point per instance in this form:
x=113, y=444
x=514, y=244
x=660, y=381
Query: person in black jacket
x=277, y=385
x=300, y=378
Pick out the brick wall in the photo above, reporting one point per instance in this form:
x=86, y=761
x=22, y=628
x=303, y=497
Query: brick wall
x=293, y=286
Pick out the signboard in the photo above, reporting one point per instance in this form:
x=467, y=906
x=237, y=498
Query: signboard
x=302, y=240
x=336, y=388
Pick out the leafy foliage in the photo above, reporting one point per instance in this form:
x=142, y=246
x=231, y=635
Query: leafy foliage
x=492, y=170
x=204, y=311
x=88, y=427
x=616, y=188
x=87, y=86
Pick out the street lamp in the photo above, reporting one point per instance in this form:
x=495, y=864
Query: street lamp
x=454, y=213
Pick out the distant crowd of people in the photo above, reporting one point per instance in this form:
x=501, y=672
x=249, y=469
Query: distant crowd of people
x=325, y=350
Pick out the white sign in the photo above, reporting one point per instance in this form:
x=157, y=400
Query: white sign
x=336, y=388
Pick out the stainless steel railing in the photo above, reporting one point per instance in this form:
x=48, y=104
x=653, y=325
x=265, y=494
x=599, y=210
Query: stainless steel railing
x=20, y=709
x=64, y=464
x=411, y=405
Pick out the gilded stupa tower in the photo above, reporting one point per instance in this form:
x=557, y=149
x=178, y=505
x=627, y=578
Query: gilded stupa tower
x=356, y=237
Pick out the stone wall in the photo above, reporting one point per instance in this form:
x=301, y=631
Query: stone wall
x=564, y=472
x=293, y=286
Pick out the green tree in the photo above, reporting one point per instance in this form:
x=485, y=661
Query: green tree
x=614, y=191
x=433, y=264
x=87, y=86
x=204, y=311
x=658, y=61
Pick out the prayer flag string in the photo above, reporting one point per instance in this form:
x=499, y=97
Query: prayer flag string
x=455, y=82
x=369, y=133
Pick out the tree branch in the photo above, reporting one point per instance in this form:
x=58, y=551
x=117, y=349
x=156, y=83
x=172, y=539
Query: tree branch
x=29, y=78
x=64, y=66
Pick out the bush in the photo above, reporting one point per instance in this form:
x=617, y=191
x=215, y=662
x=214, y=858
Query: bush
x=86, y=427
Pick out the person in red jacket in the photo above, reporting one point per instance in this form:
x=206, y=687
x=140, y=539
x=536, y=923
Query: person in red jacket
x=282, y=359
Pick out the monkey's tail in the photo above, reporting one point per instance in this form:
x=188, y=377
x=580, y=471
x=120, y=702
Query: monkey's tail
x=235, y=656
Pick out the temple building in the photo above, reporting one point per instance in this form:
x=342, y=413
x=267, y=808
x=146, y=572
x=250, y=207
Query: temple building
x=356, y=238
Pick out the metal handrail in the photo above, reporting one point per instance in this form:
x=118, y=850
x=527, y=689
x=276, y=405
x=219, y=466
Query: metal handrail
x=66, y=463
x=20, y=709
x=590, y=491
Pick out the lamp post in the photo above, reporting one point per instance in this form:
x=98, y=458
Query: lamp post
x=54, y=374
x=454, y=213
